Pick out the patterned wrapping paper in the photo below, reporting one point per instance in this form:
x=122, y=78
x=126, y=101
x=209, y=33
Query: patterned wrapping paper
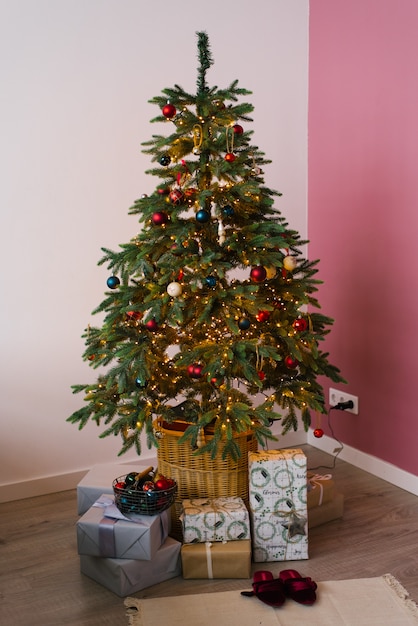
x=278, y=505
x=231, y=559
x=215, y=519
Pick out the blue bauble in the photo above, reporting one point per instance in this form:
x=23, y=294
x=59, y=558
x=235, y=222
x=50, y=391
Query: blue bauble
x=140, y=383
x=228, y=211
x=112, y=282
x=203, y=216
x=210, y=281
x=244, y=323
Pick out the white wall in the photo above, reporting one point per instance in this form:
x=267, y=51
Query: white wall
x=76, y=76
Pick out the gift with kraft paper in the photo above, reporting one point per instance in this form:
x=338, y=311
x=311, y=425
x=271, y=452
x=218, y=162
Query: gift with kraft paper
x=229, y=559
x=104, y=531
x=278, y=505
x=215, y=519
x=321, y=489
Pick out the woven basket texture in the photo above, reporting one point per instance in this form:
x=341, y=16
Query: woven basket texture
x=200, y=476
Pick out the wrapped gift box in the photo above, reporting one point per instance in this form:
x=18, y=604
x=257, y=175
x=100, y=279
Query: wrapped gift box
x=231, y=559
x=215, y=519
x=278, y=505
x=99, y=480
x=104, y=531
x=127, y=576
x=321, y=489
x=327, y=512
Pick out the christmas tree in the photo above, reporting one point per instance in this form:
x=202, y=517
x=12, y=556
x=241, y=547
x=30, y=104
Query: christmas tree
x=210, y=316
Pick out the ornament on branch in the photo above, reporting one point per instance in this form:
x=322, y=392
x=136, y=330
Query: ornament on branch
x=113, y=282
x=210, y=281
x=160, y=218
x=169, y=110
x=174, y=289
x=229, y=156
x=258, y=274
x=195, y=370
x=290, y=362
x=176, y=196
x=165, y=160
x=228, y=211
x=300, y=324
x=202, y=216
x=197, y=138
x=238, y=129
x=152, y=325
x=290, y=262
x=221, y=233
x=262, y=316
x=318, y=433
x=244, y=323
x=140, y=383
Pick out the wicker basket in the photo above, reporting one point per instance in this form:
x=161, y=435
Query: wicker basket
x=200, y=476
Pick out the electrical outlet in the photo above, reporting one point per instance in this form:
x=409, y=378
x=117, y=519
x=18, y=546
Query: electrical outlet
x=336, y=396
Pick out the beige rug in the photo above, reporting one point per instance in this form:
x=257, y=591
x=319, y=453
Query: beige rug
x=361, y=602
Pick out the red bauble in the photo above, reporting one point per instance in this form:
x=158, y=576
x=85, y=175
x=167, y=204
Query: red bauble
x=195, y=370
x=261, y=375
x=238, y=129
x=262, y=316
x=300, y=324
x=176, y=196
x=163, y=191
x=160, y=218
x=169, y=110
x=290, y=362
x=151, y=325
x=120, y=486
x=230, y=157
x=258, y=274
x=318, y=433
x=148, y=485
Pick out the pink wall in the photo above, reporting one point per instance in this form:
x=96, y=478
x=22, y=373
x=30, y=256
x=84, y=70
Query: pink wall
x=363, y=212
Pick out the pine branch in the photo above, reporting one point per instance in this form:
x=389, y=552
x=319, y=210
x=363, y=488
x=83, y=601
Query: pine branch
x=205, y=61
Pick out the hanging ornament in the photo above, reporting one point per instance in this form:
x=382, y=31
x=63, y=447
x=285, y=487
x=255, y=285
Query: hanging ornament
x=174, y=289
x=180, y=275
x=163, y=191
x=221, y=233
x=200, y=440
x=238, y=129
x=203, y=216
x=160, y=218
x=318, y=433
x=197, y=138
x=113, y=282
x=244, y=323
x=290, y=362
x=176, y=196
x=195, y=370
x=262, y=316
x=140, y=383
x=229, y=156
x=289, y=262
x=300, y=324
x=255, y=170
x=165, y=160
x=258, y=274
x=169, y=110
x=261, y=375
x=271, y=272
x=151, y=325
x=228, y=211
x=210, y=281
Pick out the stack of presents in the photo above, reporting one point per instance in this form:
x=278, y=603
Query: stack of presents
x=220, y=537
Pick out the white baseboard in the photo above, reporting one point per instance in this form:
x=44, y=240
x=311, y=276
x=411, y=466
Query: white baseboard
x=49, y=484
x=368, y=463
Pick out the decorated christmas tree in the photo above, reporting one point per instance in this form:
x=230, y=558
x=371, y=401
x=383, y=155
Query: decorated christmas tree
x=211, y=316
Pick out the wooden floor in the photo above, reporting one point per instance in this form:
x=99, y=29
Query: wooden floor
x=41, y=584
